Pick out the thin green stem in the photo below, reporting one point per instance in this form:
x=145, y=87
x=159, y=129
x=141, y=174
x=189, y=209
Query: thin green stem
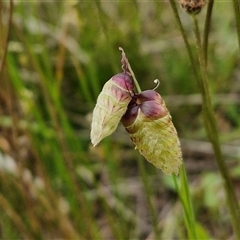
x=213, y=135
x=208, y=114
x=237, y=18
x=187, y=205
x=207, y=29
x=185, y=198
x=185, y=39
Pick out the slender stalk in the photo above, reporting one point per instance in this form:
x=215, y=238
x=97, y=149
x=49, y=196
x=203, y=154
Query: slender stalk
x=184, y=35
x=185, y=198
x=207, y=29
x=208, y=113
x=237, y=18
x=187, y=205
x=186, y=192
x=213, y=135
x=5, y=42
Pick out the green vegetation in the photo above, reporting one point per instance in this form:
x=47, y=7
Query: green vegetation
x=55, y=58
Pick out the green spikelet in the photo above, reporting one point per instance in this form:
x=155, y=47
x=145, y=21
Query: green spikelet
x=150, y=127
x=111, y=104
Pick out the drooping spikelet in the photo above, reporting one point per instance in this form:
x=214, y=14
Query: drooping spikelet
x=150, y=126
x=111, y=104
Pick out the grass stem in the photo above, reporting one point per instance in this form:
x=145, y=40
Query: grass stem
x=213, y=135
x=185, y=39
x=237, y=18
x=207, y=29
x=6, y=40
x=208, y=113
x=185, y=198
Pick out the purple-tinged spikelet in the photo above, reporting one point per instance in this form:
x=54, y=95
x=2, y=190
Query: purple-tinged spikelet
x=111, y=104
x=149, y=124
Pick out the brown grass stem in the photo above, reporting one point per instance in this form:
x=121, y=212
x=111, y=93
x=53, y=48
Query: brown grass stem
x=57, y=118
x=5, y=43
x=15, y=217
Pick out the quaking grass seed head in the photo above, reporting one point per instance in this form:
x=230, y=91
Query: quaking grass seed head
x=111, y=104
x=192, y=6
x=150, y=127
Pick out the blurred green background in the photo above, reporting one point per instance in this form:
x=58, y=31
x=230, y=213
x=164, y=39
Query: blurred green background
x=53, y=183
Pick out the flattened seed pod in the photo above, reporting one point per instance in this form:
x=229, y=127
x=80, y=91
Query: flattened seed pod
x=111, y=104
x=150, y=127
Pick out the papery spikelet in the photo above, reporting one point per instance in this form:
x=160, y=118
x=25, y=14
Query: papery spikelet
x=111, y=104
x=192, y=6
x=150, y=126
